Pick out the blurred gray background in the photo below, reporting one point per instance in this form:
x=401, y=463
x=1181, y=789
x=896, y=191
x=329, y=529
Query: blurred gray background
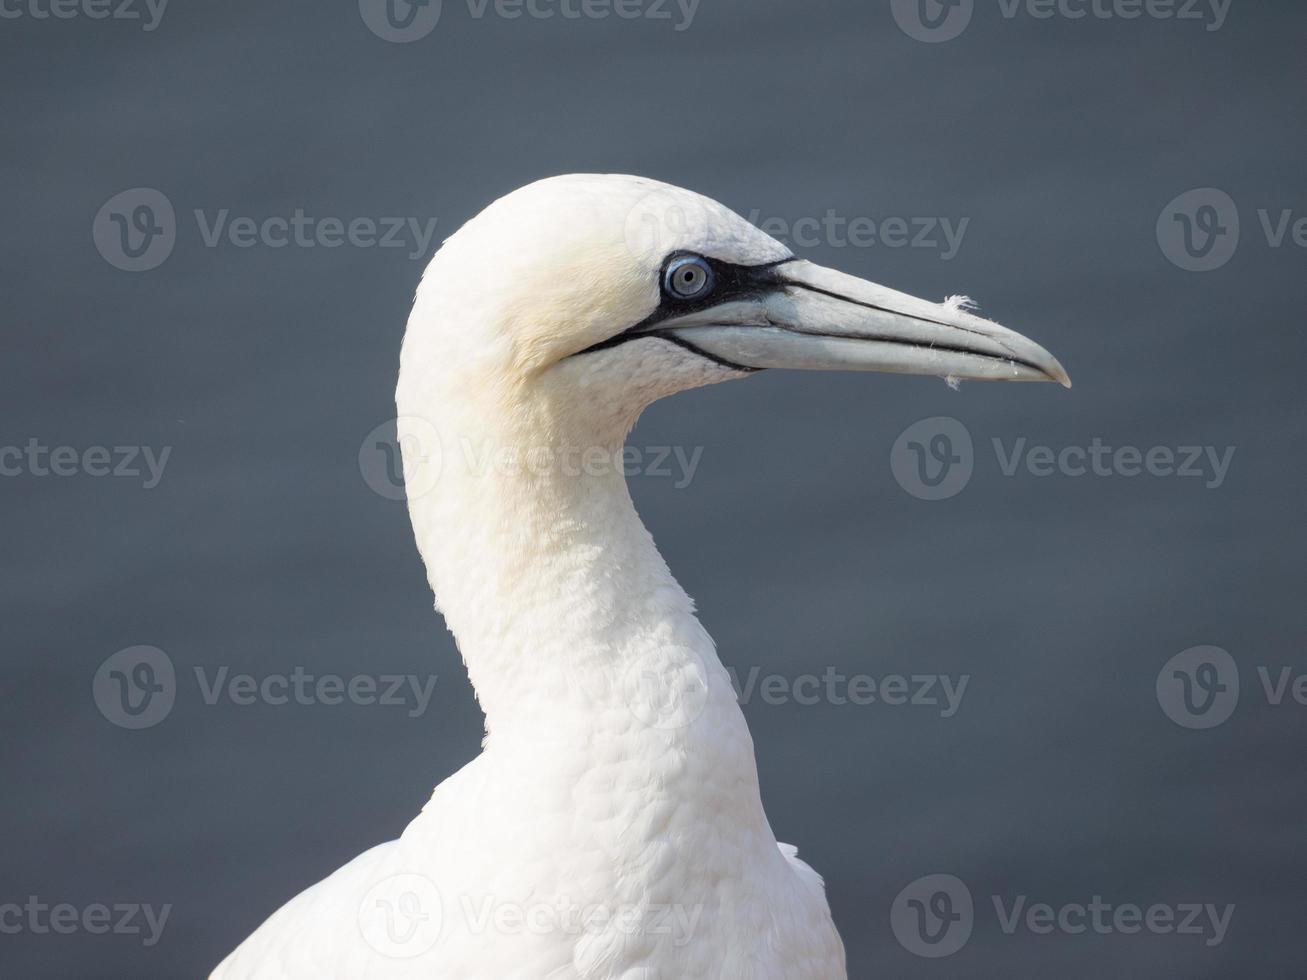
x=263, y=548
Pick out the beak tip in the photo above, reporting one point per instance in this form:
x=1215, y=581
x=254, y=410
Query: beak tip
x=1058, y=373
x=1052, y=368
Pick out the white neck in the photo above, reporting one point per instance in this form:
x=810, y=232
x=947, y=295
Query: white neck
x=568, y=619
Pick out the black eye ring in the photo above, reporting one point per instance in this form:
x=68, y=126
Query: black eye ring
x=689, y=277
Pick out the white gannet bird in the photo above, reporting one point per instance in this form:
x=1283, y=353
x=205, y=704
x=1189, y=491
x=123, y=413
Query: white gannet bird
x=612, y=828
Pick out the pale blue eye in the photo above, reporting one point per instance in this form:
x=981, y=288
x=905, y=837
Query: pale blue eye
x=689, y=277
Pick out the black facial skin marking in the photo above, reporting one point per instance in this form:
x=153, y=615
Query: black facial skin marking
x=733, y=282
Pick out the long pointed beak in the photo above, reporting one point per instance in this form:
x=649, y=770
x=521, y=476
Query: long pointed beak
x=812, y=318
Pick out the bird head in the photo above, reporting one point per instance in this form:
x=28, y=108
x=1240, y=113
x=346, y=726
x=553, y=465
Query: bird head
x=602, y=293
